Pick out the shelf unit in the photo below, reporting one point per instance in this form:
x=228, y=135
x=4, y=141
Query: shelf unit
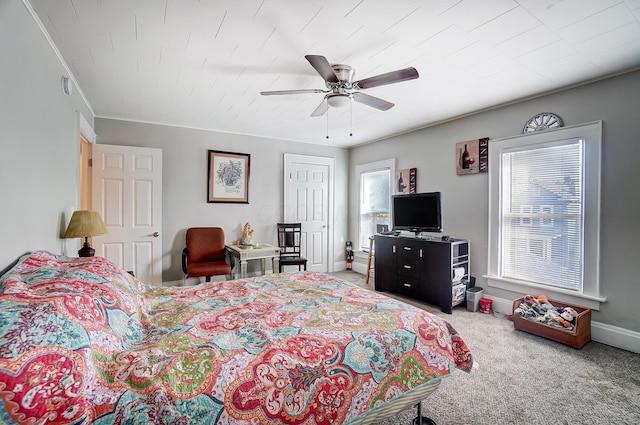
x=459, y=260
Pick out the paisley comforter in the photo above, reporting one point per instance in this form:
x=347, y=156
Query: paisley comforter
x=83, y=342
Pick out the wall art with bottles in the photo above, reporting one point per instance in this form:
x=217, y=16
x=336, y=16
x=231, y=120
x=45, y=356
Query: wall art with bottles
x=472, y=156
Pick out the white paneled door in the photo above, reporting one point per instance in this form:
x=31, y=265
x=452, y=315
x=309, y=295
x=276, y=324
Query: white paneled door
x=127, y=191
x=308, y=188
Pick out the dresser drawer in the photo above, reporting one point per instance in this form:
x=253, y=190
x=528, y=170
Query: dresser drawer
x=408, y=254
x=409, y=270
x=409, y=262
x=408, y=286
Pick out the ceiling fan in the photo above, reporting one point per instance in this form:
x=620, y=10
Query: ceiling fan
x=341, y=88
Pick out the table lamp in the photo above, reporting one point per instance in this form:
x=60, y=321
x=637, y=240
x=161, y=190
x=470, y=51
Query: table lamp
x=83, y=224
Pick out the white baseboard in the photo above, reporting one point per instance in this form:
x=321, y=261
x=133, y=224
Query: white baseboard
x=173, y=283
x=356, y=266
x=615, y=336
x=359, y=267
x=501, y=305
x=601, y=332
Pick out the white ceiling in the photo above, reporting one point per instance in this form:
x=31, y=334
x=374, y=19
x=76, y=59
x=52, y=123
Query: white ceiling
x=201, y=64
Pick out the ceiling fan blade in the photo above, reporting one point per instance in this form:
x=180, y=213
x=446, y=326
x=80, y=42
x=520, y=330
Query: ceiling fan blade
x=321, y=109
x=388, y=78
x=372, y=101
x=278, y=92
x=321, y=64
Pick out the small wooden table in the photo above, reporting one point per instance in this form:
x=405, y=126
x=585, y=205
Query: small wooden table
x=244, y=253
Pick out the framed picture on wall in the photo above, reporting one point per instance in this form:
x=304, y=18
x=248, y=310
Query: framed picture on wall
x=472, y=156
x=228, y=177
x=406, y=180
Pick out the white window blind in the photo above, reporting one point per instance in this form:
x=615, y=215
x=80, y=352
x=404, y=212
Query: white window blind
x=374, y=203
x=542, y=214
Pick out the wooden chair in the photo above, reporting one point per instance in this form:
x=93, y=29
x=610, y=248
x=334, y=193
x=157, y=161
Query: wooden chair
x=205, y=254
x=289, y=238
x=370, y=262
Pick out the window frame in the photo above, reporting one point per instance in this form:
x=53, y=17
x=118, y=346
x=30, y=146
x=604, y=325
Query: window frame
x=385, y=164
x=591, y=133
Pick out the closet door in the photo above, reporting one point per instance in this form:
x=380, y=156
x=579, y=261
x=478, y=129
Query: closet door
x=127, y=192
x=308, y=186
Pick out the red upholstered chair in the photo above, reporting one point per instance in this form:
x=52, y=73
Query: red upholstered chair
x=205, y=254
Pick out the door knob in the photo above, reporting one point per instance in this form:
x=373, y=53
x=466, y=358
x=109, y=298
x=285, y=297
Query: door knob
x=155, y=234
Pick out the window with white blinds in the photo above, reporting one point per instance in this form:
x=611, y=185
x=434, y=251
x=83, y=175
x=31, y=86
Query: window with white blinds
x=375, y=207
x=542, y=214
x=375, y=199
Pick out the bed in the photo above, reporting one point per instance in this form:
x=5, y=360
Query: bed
x=82, y=341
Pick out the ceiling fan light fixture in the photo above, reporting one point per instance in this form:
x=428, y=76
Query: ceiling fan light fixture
x=342, y=90
x=339, y=100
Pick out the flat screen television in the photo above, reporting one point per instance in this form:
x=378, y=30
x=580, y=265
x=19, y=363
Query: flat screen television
x=419, y=212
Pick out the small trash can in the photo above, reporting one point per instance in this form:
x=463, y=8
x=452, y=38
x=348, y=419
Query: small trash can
x=473, y=298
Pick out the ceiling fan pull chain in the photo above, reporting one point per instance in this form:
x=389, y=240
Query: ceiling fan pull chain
x=351, y=117
x=327, y=123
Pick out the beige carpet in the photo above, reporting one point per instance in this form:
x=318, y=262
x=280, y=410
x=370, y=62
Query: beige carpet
x=526, y=379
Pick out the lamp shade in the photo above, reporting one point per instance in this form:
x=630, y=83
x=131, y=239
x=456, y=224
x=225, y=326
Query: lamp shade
x=85, y=223
x=338, y=100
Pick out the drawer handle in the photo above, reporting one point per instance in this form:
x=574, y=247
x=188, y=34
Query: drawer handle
x=407, y=248
x=408, y=285
x=407, y=266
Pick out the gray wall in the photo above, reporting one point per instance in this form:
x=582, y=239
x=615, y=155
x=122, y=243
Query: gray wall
x=615, y=101
x=39, y=139
x=184, y=183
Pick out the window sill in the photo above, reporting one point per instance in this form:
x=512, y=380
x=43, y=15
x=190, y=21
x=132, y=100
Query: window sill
x=557, y=294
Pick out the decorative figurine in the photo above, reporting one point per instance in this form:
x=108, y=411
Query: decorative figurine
x=349, y=248
x=247, y=233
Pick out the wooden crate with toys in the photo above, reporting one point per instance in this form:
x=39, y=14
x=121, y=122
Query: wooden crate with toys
x=565, y=323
